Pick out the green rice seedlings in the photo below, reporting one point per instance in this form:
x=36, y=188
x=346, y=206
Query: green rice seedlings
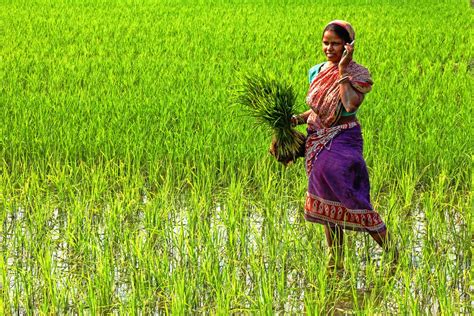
x=273, y=103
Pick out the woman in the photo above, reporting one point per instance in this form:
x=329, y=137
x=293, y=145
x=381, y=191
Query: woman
x=338, y=190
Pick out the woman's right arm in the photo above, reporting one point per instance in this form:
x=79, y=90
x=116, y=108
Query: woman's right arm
x=301, y=118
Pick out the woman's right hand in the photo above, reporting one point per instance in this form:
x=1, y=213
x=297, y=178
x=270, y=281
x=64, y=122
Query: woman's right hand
x=300, y=118
x=294, y=120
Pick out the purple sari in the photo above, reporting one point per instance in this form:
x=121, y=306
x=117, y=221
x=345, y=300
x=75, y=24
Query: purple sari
x=338, y=188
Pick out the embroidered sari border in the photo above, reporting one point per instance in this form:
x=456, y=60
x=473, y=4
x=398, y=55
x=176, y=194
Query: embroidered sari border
x=334, y=213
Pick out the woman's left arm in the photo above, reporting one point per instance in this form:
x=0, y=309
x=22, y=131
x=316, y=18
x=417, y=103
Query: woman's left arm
x=350, y=97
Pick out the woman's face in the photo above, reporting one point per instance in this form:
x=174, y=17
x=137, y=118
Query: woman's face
x=333, y=46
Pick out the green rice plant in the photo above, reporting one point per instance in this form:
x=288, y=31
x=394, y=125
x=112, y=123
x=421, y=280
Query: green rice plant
x=128, y=185
x=273, y=104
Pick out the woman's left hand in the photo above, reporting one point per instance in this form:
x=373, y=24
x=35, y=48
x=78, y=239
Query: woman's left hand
x=346, y=57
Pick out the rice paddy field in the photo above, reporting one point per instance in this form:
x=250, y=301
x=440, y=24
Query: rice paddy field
x=131, y=182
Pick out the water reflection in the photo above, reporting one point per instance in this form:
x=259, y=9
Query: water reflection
x=351, y=294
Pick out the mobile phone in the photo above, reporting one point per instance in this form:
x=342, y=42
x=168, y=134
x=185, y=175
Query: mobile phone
x=351, y=43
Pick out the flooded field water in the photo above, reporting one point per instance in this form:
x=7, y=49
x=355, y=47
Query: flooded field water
x=28, y=282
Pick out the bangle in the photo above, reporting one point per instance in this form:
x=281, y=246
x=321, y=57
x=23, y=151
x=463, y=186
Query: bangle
x=294, y=120
x=343, y=79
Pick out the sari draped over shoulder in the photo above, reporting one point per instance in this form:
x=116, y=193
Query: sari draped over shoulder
x=324, y=93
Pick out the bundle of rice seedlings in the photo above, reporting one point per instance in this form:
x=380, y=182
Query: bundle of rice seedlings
x=273, y=103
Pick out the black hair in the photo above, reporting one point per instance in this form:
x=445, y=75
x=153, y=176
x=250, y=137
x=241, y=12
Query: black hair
x=339, y=30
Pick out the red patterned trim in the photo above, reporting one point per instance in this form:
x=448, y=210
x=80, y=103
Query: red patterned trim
x=330, y=212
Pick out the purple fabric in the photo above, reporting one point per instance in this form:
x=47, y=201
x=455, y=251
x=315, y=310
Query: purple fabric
x=339, y=173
